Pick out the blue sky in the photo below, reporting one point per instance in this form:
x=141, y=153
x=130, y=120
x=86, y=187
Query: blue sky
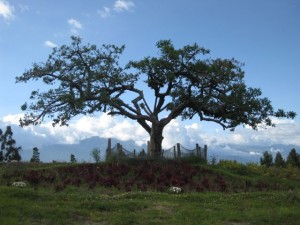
x=264, y=34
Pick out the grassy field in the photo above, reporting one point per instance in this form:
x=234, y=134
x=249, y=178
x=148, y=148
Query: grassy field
x=43, y=203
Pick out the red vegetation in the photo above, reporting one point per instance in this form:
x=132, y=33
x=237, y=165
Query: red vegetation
x=141, y=176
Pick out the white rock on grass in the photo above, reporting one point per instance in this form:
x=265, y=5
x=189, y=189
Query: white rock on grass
x=19, y=184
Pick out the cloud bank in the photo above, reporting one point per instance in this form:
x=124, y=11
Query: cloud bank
x=286, y=132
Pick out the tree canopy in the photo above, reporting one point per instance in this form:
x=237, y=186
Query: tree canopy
x=184, y=82
x=8, y=150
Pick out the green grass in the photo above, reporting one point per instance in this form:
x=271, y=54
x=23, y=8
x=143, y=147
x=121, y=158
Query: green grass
x=78, y=206
x=81, y=205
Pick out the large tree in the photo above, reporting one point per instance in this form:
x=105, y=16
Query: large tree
x=84, y=79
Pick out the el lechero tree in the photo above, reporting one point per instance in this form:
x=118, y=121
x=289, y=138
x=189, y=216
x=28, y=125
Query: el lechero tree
x=9, y=151
x=182, y=82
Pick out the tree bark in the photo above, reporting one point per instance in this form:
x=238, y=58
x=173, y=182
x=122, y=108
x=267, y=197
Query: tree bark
x=156, y=139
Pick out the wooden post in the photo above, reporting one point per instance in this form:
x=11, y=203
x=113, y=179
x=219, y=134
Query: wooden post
x=197, y=150
x=205, y=152
x=109, y=144
x=178, y=150
x=148, y=149
x=134, y=153
x=118, y=146
x=174, y=150
x=119, y=150
x=108, y=149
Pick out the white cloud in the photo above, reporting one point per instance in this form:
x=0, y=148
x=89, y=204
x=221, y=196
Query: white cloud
x=254, y=153
x=187, y=135
x=102, y=126
x=105, y=12
x=6, y=10
x=123, y=5
x=286, y=133
x=50, y=44
x=75, y=25
x=12, y=119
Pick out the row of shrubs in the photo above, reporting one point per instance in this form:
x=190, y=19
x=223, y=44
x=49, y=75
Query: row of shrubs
x=148, y=175
x=292, y=160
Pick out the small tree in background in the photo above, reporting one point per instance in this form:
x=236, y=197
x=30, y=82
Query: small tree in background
x=267, y=159
x=293, y=159
x=35, y=155
x=96, y=155
x=73, y=159
x=279, y=161
x=142, y=154
x=9, y=151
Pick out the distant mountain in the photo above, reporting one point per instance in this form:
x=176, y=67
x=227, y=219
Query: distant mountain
x=81, y=150
x=44, y=140
x=248, y=153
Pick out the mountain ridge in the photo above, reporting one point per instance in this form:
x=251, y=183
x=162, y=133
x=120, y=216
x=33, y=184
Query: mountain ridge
x=82, y=150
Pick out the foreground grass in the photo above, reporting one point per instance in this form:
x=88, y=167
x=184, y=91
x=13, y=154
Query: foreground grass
x=100, y=206
x=54, y=195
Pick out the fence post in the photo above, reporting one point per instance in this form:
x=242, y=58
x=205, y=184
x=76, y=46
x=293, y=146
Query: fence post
x=178, y=150
x=148, y=149
x=108, y=149
x=205, y=152
x=197, y=150
x=174, y=150
x=119, y=150
x=134, y=153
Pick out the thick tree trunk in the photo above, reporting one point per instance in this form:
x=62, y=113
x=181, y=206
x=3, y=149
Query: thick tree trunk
x=156, y=139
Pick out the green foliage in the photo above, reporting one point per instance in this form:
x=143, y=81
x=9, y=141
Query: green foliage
x=73, y=159
x=235, y=167
x=293, y=159
x=95, y=153
x=267, y=159
x=229, y=164
x=35, y=155
x=213, y=160
x=142, y=154
x=118, y=156
x=279, y=161
x=9, y=151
